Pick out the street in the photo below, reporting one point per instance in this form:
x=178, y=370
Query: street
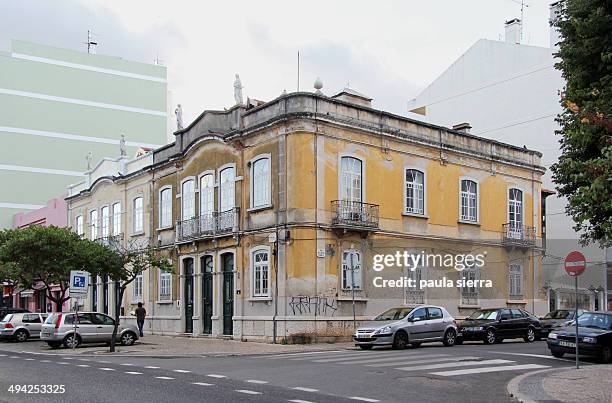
x=425, y=374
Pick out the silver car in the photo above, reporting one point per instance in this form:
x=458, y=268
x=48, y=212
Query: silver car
x=91, y=327
x=21, y=326
x=412, y=325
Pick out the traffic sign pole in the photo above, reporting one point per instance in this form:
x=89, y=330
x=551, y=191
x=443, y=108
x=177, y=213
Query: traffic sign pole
x=576, y=320
x=575, y=265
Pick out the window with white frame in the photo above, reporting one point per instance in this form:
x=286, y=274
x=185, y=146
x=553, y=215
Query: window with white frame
x=351, y=270
x=515, y=280
x=469, y=200
x=260, y=182
x=93, y=225
x=165, y=207
x=138, y=213
x=351, y=172
x=515, y=208
x=188, y=199
x=116, y=219
x=469, y=291
x=138, y=287
x=415, y=191
x=105, y=218
x=207, y=195
x=226, y=189
x=261, y=272
x=165, y=285
x=79, y=226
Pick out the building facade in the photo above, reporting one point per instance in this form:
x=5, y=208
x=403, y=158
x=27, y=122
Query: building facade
x=273, y=216
x=57, y=106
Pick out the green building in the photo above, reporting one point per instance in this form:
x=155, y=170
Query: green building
x=57, y=105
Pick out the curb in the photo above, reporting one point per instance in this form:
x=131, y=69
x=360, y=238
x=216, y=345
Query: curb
x=514, y=384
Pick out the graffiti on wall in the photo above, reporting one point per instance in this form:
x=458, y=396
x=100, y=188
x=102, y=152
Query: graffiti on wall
x=308, y=305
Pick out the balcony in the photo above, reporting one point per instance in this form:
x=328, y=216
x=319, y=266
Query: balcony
x=518, y=235
x=112, y=241
x=469, y=298
x=415, y=296
x=355, y=215
x=208, y=226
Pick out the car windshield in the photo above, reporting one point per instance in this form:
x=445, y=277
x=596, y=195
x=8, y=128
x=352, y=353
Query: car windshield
x=558, y=314
x=394, y=314
x=595, y=320
x=484, y=314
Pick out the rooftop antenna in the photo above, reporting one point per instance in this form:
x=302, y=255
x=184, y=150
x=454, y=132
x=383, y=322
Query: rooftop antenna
x=158, y=61
x=298, y=71
x=523, y=5
x=91, y=44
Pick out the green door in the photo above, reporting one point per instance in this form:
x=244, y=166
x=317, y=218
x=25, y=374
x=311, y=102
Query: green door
x=207, y=293
x=227, y=260
x=188, y=293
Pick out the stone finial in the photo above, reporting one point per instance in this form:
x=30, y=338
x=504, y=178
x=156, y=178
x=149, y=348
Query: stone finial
x=122, y=148
x=318, y=85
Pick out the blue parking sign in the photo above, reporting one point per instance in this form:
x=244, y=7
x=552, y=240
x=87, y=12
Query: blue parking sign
x=79, y=281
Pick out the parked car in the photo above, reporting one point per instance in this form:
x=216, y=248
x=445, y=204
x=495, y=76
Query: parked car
x=594, y=337
x=495, y=325
x=91, y=327
x=5, y=310
x=401, y=326
x=21, y=326
x=557, y=319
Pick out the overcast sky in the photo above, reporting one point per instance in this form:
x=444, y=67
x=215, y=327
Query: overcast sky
x=389, y=50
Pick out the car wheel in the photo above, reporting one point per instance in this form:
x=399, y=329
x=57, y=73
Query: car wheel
x=415, y=345
x=400, y=341
x=530, y=336
x=127, y=339
x=498, y=340
x=54, y=344
x=490, y=337
x=21, y=335
x=557, y=353
x=606, y=354
x=365, y=347
x=72, y=341
x=450, y=338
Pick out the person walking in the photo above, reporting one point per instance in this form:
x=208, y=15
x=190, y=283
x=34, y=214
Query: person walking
x=141, y=313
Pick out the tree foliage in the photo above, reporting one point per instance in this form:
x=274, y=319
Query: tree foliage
x=583, y=173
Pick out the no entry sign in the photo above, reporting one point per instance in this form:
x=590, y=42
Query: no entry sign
x=575, y=263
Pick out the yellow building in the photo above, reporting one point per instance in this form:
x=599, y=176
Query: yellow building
x=276, y=214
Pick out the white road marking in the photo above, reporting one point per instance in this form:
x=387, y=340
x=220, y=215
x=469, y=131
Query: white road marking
x=424, y=361
x=45, y=361
x=127, y=364
x=216, y=376
x=489, y=369
x=248, y=392
x=183, y=371
x=83, y=365
x=133, y=373
x=107, y=369
x=84, y=359
x=2, y=355
x=340, y=354
x=104, y=362
x=164, y=377
x=363, y=399
x=67, y=358
x=300, y=401
x=151, y=367
x=455, y=364
x=12, y=356
x=273, y=357
x=300, y=388
x=29, y=359
x=256, y=381
x=63, y=363
x=396, y=358
x=202, y=384
x=550, y=357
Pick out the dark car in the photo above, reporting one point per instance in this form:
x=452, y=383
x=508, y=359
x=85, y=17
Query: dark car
x=496, y=324
x=594, y=337
x=557, y=319
x=5, y=310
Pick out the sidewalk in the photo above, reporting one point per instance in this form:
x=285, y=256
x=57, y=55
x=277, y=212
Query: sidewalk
x=590, y=383
x=176, y=346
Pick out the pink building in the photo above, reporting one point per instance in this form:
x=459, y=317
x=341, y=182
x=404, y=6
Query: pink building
x=54, y=213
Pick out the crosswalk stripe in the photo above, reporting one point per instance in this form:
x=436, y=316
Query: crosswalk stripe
x=277, y=356
x=303, y=389
x=489, y=369
x=334, y=355
x=248, y=392
x=408, y=359
x=203, y=384
x=424, y=361
x=454, y=364
x=363, y=399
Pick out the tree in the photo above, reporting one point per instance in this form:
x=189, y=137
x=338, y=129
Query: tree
x=48, y=254
x=135, y=260
x=583, y=173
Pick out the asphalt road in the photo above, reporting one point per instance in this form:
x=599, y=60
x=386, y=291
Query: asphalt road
x=471, y=372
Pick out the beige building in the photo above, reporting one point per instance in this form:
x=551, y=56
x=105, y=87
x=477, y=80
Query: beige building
x=275, y=215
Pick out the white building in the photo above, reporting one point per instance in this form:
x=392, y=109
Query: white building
x=509, y=91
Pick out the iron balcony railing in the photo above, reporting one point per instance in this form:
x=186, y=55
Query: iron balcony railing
x=355, y=214
x=208, y=226
x=469, y=298
x=518, y=235
x=415, y=296
x=112, y=241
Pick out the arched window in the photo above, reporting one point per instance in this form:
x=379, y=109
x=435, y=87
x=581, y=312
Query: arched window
x=515, y=209
x=469, y=200
x=351, y=179
x=93, y=225
x=260, y=264
x=415, y=191
x=116, y=219
x=138, y=213
x=207, y=195
x=105, y=221
x=226, y=189
x=260, y=182
x=188, y=199
x=165, y=207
